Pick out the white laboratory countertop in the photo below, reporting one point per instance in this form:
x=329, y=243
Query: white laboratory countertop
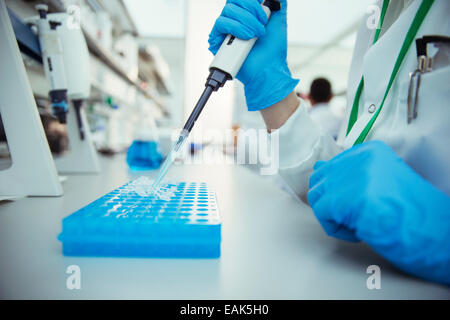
x=272, y=248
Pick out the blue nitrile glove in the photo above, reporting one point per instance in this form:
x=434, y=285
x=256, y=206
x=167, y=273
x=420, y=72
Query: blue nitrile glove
x=369, y=194
x=265, y=73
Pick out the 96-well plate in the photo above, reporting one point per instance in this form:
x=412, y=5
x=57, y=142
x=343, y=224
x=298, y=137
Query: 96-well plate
x=183, y=223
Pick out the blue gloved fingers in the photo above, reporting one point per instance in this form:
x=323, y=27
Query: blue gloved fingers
x=327, y=187
x=329, y=215
x=346, y=234
x=318, y=164
x=347, y=160
x=317, y=175
x=324, y=170
x=252, y=6
x=345, y=155
x=350, y=159
x=225, y=26
x=215, y=41
x=215, y=38
x=333, y=228
x=246, y=18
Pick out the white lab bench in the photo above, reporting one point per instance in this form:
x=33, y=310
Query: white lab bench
x=272, y=248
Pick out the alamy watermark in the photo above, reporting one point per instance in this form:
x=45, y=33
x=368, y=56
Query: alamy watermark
x=241, y=147
x=74, y=19
x=374, y=280
x=73, y=281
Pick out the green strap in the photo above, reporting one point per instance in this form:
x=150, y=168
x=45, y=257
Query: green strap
x=380, y=24
x=410, y=36
x=355, y=107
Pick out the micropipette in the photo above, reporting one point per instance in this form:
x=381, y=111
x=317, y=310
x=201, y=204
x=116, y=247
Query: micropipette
x=225, y=66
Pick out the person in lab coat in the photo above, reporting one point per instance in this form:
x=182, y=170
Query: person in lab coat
x=386, y=181
x=320, y=95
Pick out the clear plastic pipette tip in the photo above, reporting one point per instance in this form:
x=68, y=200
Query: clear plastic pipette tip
x=177, y=147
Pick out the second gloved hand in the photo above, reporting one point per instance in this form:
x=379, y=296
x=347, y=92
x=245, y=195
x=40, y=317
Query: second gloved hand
x=265, y=74
x=369, y=194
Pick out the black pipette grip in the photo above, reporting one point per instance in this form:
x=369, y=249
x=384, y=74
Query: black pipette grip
x=216, y=80
x=198, y=108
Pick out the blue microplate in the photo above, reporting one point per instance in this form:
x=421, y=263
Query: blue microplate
x=183, y=224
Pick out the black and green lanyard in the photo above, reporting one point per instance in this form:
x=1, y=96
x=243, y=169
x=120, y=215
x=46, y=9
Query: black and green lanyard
x=410, y=36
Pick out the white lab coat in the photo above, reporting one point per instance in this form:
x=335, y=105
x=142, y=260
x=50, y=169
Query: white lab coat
x=424, y=144
x=328, y=120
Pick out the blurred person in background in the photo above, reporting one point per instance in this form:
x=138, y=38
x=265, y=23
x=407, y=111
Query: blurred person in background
x=320, y=95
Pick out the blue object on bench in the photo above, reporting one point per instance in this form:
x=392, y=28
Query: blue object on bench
x=124, y=223
x=144, y=155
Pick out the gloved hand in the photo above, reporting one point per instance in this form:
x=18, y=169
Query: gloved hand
x=369, y=194
x=265, y=73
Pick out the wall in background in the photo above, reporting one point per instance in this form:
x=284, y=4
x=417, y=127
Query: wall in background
x=201, y=15
x=172, y=50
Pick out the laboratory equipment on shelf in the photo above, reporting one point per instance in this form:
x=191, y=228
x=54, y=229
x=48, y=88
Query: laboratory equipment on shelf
x=52, y=59
x=66, y=64
x=32, y=172
x=225, y=66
